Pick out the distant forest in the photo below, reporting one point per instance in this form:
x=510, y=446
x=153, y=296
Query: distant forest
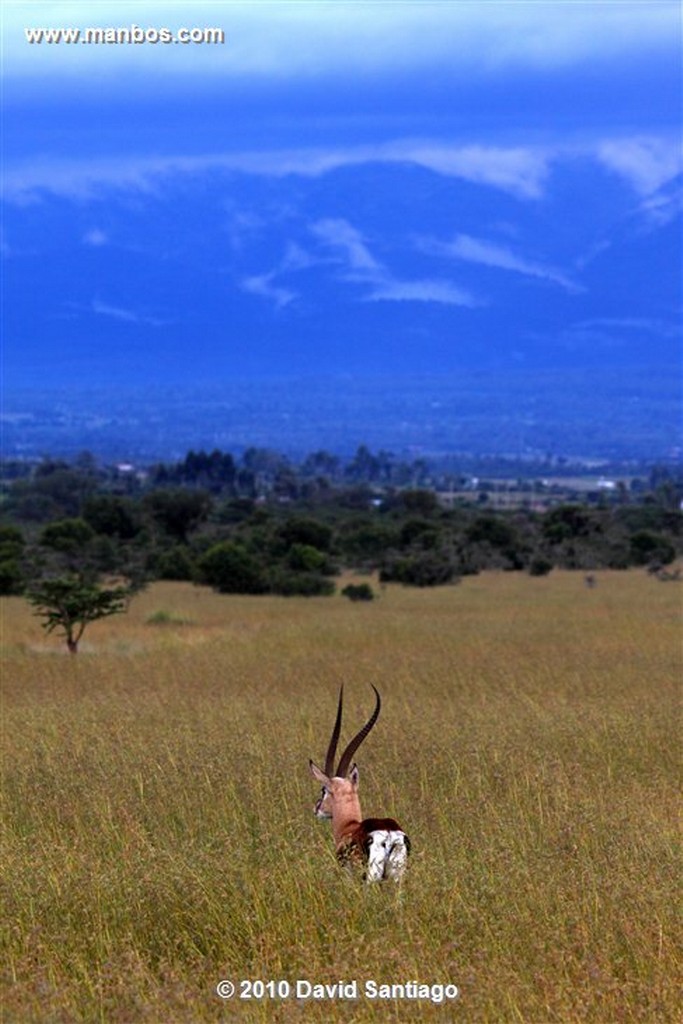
x=260, y=523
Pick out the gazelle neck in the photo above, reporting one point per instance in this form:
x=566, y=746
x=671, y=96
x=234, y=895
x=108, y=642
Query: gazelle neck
x=346, y=812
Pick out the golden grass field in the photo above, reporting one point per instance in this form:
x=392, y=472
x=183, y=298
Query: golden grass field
x=158, y=834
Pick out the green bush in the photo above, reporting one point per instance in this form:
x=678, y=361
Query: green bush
x=68, y=536
x=12, y=546
x=306, y=531
x=651, y=547
x=164, y=618
x=175, y=564
x=305, y=558
x=359, y=592
x=11, y=577
x=540, y=566
x=424, y=569
x=300, y=584
x=231, y=569
x=112, y=515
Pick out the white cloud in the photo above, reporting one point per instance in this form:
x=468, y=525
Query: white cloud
x=262, y=286
x=95, y=238
x=342, y=236
x=124, y=315
x=662, y=208
x=491, y=254
x=296, y=258
x=645, y=163
x=521, y=172
x=390, y=289
x=306, y=41
x=115, y=312
x=646, y=325
x=362, y=268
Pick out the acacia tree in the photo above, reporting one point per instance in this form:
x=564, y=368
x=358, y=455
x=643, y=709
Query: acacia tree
x=68, y=604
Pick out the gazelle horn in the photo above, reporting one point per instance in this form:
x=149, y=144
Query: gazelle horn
x=332, y=749
x=358, y=738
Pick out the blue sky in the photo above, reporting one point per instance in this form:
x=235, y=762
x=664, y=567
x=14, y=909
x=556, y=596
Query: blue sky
x=342, y=187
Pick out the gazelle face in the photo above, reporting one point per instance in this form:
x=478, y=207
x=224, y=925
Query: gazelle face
x=323, y=806
x=333, y=791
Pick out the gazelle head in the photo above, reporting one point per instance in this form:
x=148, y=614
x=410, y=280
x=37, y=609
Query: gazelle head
x=341, y=786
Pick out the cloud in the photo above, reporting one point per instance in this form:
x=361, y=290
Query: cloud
x=128, y=316
x=389, y=289
x=95, y=238
x=340, y=235
x=645, y=163
x=363, y=268
x=662, y=207
x=521, y=172
x=647, y=325
x=308, y=41
x=613, y=333
x=116, y=312
x=349, y=251
x=262, y=286
x=491, y=254
x=294, y=260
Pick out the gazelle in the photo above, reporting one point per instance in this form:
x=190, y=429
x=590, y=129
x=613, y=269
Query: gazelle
x=380, y=844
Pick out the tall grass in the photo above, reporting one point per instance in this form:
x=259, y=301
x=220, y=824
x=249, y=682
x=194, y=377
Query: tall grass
x=158, y=834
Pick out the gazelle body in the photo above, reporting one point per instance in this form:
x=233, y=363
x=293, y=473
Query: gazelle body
x=378, y=844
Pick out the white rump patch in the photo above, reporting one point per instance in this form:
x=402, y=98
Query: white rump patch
x=387, y=855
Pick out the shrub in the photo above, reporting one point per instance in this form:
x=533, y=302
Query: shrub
x=11, y=550
x=418, y=532
x=540, y=566
x=300, y=584
x=231, y=569
x=425, y=569
x=164, y=618
x=68, y=536
x=419, y=501
x=175, y=564
x=306, y=531
x=651, y=547
x=358, y=592
x=11, y=577
x=112, y=515
x=305, y=558
x=12, y=542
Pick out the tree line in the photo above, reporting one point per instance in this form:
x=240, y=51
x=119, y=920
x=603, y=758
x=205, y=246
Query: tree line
x=263, y=525
x=79, y=540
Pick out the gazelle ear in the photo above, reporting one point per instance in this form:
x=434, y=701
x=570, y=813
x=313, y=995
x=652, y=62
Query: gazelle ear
x=319, y=775
x=354, y=776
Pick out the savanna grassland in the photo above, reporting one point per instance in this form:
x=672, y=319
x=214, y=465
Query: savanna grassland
x=158, y=834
